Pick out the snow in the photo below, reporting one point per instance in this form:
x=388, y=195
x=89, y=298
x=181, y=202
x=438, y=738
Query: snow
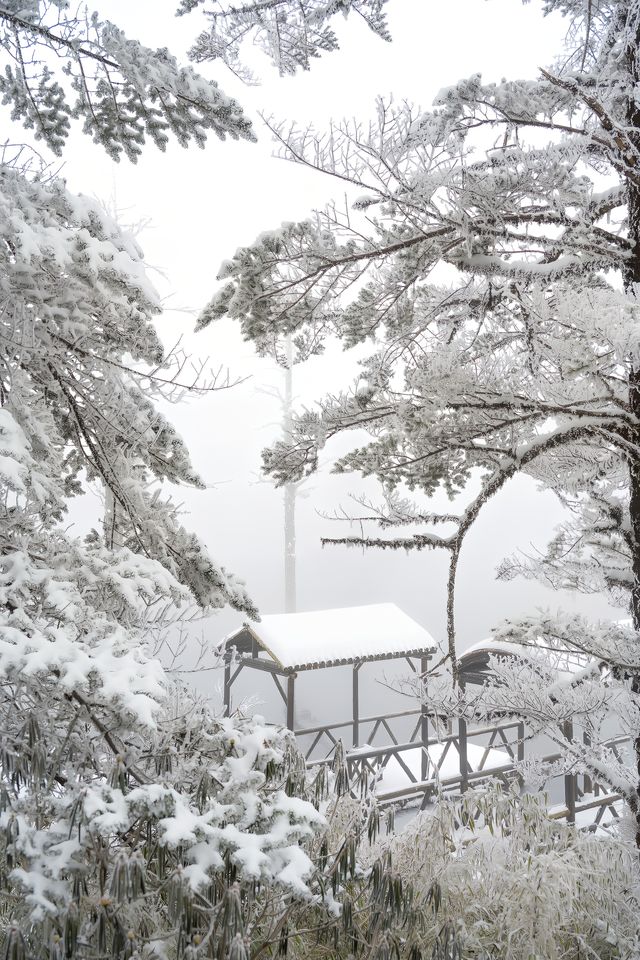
x=587, y=818
x=395, y=778
x=14, y=452
x=343, y=635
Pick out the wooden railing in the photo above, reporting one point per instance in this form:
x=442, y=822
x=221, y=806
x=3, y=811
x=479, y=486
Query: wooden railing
x=378, y=723
x=585, y=801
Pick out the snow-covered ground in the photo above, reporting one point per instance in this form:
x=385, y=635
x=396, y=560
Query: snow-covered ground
x=394, y=777
x=586, y=818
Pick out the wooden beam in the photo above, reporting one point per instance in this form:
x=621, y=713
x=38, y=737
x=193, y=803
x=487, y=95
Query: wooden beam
x=229, y=680
x=279, y=686
x=256, y=663
x=235, y=673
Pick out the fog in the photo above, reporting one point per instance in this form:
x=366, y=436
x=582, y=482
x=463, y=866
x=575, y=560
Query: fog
x=201, y=205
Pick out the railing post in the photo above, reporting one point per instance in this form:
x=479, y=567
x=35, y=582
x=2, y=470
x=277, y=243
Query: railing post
x=520, y=753
x=424, y=722
x=226, y=689
x=356, y=706
x=570, y=779
x=462, y=750
x=588, y=782
x=520, y=750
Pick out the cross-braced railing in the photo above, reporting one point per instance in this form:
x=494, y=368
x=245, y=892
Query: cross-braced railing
x=319, y=742
x=415, y=770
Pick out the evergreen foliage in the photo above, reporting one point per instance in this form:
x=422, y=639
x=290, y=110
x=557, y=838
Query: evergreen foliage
x=139, y=825
x=80, y=369
x=290, y=32
x=60, y=66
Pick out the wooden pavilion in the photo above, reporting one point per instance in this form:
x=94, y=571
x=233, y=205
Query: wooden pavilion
x=429, y=758
x=285, y=645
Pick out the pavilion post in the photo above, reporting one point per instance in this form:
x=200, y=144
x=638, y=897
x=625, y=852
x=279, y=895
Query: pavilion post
x=356, y=705
x=291, y=679
x=588, y=782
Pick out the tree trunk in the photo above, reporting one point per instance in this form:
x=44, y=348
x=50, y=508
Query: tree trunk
x=112, y=536
x=634, y=502
x=631, y=279
x=290, y=492
x=290, y=548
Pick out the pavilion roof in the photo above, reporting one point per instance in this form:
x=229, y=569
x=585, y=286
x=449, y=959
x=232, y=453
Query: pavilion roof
x=344, y=635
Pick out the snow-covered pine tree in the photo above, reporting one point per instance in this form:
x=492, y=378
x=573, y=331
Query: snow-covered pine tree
x=131, y=820
x=81, y=369
x=492, y=256
x=290, y=32
x=60, y=65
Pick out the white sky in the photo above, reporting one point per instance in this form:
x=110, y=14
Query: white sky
x=204, y=204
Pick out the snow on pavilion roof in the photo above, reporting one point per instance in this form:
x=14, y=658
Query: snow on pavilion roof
x=475, y=660
x=330, y=637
